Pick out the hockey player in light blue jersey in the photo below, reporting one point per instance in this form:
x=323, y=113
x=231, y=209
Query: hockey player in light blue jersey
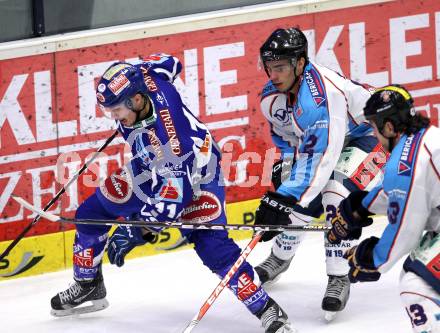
x=410, y=197
x=174, y=174
x=316, y=119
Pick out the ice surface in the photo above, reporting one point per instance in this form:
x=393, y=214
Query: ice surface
x=162, y=293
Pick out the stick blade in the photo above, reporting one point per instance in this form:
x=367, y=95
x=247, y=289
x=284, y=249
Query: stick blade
x=49, y=216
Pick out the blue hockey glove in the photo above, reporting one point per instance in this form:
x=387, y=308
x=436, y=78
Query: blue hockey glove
x=123, y=240
x=360, y=260
x=350, y=218
x=274, y=209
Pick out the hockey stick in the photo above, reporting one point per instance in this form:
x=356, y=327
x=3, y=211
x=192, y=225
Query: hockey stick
x=55, y=198
x=223, y=283
x=179, y=225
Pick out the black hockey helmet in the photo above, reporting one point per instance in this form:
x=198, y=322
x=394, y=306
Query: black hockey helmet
x=390, y=103
x=284, y=44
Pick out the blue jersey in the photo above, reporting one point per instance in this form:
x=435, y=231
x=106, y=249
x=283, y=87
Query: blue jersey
x=326, y=114
x=174, y=173
x=174, y=154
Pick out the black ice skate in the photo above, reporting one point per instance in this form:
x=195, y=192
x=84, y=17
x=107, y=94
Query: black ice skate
x=68, y=302
x=270, y=270
x=274, y=319
x=336, y=295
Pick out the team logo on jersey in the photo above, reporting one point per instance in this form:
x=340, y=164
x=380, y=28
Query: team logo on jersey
x=203, y=208
x=315, y=86
x=281, y=115
x=118, y=187
x=171, y=190
x=407, y=156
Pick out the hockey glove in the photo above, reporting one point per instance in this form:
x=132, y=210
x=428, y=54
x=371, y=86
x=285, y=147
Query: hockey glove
x=274, y=209
x=360, y=260
x=281, y=171
x=350, y=218
x=123, y=240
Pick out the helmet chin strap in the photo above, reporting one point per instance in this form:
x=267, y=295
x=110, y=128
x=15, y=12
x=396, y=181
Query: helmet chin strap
x=295, y=81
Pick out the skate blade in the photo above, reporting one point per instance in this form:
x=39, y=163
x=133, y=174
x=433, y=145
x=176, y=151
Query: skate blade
x=97, y=305
x=329, y=315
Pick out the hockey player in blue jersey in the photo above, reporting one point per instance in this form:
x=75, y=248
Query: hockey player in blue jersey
x=316, y=120
x=174, y=174
x=410, y=197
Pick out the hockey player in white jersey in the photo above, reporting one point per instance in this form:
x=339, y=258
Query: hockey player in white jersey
x=316, y=119
x=410, y=196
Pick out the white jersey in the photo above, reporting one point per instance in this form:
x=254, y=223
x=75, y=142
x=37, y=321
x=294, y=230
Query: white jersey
x=412, y=187
x=274, y=108
x=326, y=114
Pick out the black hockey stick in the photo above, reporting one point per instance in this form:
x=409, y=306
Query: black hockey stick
x=179, y=225
x=55, y=198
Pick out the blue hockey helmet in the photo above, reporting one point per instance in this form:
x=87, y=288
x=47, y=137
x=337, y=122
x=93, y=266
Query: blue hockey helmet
x=118, y=84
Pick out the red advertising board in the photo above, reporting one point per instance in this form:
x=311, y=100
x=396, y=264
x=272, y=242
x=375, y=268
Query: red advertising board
x=48, y=113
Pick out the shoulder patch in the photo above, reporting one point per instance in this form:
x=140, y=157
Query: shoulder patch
x=316, y=86
x=281, y=114
x=406, y=160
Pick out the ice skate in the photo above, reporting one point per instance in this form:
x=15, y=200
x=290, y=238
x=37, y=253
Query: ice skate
x=336, y=296
x=274, y=319
x=270, y=270
x=70, y=301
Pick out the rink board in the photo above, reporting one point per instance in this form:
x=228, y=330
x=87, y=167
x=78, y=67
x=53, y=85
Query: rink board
x=53, y=252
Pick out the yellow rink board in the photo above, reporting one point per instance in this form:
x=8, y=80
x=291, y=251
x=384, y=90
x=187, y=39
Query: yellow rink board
x=53, y=252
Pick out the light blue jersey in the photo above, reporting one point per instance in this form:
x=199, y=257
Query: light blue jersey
x=411, y=188
x=316, y=125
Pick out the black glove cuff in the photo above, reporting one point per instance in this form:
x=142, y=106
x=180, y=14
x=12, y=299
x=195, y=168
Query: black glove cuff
x=355, y=200
x=149, y=237
x=277, y=201
x=364, y=253
x=281, y=170
x=363, y=212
